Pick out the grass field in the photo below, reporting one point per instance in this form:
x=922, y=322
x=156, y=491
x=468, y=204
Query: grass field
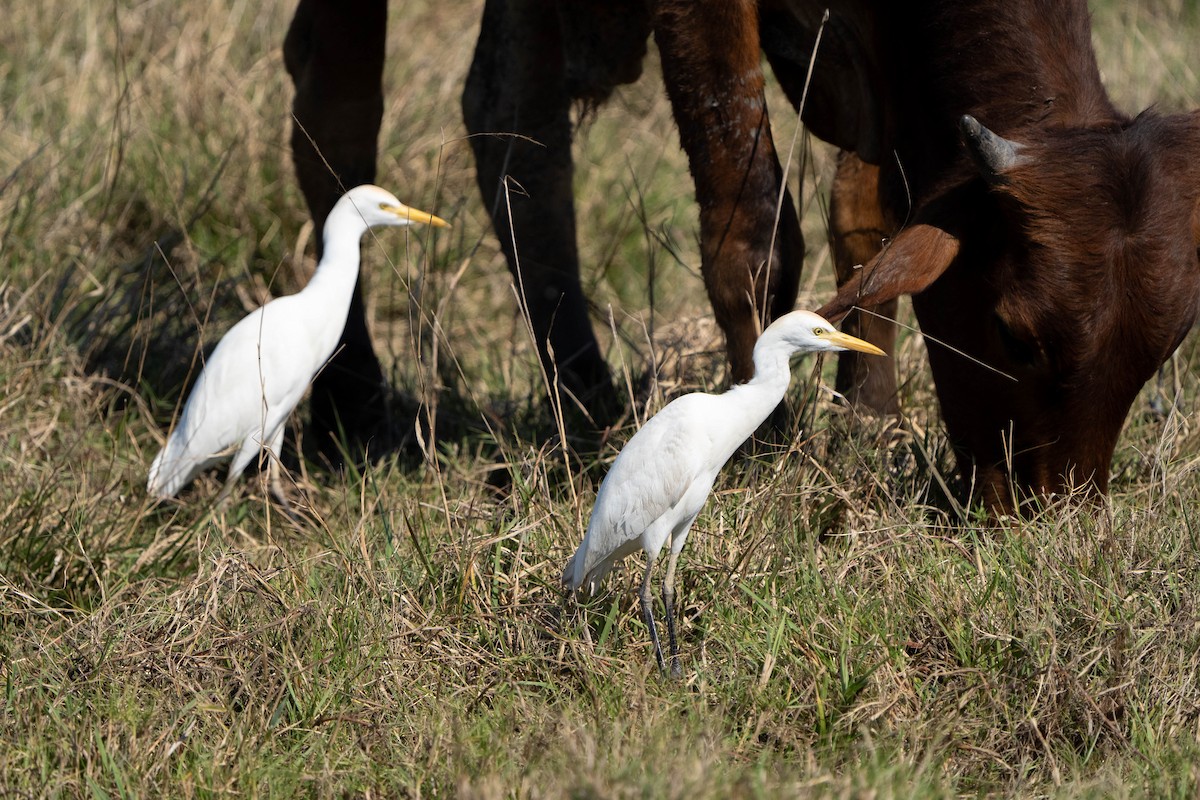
x=848, y=630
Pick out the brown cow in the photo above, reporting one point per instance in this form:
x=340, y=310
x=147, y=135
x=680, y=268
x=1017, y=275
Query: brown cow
x=1063, y=256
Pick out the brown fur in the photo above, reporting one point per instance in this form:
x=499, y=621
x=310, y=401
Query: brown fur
x=1073, y=272
x=859, y=231
x=711, y=65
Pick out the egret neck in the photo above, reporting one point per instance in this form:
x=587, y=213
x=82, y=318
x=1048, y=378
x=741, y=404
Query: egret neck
x=757, y=398
x=332, y=285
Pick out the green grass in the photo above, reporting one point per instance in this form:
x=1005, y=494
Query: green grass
x=847, y=630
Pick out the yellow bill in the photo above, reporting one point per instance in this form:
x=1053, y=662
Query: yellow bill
x=414, y=215
x=839, y=339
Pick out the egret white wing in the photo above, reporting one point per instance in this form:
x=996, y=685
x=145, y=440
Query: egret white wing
x=648, y=480
x=253, y=379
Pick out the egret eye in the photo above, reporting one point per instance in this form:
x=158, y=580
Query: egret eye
x=288, y=345
x=665, y=473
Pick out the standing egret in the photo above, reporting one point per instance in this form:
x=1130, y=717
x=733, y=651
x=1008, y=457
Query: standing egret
x=662, y=478
x=262, y=366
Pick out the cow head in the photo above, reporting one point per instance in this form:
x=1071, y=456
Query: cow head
x=1064, y=269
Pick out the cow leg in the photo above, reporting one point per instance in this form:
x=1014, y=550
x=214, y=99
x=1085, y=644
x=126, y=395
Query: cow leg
x=857, y=232
x=334, y=52
x=751, y=262
x=516, y=105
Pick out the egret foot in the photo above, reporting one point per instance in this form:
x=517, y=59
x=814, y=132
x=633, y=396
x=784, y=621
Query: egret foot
x=284, y=504
x=260, y=369
x=663, y=476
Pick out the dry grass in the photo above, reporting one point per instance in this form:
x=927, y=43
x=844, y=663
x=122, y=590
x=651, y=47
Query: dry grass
x=847, y=630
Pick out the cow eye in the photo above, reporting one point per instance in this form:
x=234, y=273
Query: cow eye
x=1019, y=349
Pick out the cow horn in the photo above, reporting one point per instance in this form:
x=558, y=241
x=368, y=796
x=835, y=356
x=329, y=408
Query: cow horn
x=994, y=155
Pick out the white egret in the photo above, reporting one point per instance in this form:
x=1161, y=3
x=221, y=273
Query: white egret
x=261, y=368
x=662, y=478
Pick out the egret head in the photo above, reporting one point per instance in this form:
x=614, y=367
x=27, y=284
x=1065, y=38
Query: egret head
x=376, y=206
x=806, y=332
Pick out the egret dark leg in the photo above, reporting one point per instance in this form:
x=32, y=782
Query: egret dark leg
x=668, y=596
x=648, y=613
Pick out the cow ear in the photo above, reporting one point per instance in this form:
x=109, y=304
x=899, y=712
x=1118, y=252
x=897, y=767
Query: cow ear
x=915, y=258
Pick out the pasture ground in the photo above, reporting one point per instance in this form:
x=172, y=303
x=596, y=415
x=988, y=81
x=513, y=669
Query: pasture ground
x=848, y=630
